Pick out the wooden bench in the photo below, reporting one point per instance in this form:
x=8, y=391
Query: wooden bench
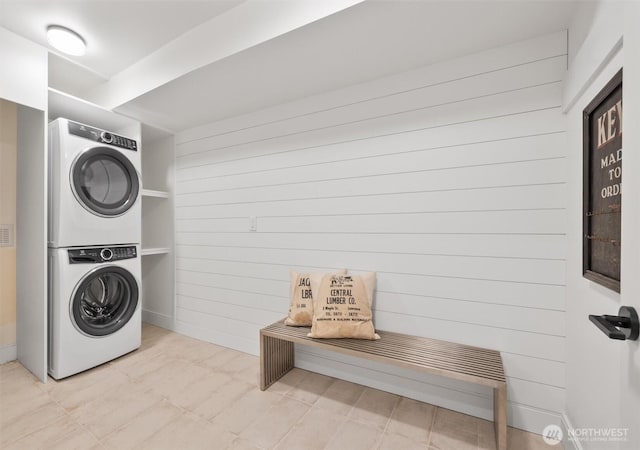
x=461, y=362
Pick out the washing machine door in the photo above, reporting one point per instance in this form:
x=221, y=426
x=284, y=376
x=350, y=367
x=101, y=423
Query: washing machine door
x=104, y=301
x=104, y=181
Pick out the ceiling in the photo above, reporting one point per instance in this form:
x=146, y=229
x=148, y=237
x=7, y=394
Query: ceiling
x=249, y=60
x=117, y=32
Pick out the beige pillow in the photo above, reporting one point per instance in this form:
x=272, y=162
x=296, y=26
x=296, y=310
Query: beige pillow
x=342, y=306
x=301, y=294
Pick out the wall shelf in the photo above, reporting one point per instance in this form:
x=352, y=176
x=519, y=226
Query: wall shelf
x=154, y=193
x=157, y=262
x=154, y=251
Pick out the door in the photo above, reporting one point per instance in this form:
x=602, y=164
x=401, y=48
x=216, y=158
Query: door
x=104, y=301
x=630, y=252
x=104, y=181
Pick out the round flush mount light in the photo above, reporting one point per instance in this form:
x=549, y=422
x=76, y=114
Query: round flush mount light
x=66, y=40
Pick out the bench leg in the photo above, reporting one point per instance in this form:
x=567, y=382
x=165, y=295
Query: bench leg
x=276, y=359
x=500, y=416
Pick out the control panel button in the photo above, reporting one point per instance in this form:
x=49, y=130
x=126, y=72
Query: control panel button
x=106, y=137
x=106, y=254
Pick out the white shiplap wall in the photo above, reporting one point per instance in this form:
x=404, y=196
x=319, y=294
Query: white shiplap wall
x=448, y=181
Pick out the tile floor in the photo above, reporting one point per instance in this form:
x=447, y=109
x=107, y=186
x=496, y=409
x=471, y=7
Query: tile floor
x=180, y=393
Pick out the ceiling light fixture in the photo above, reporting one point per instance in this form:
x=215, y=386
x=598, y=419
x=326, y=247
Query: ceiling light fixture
x=66, y=40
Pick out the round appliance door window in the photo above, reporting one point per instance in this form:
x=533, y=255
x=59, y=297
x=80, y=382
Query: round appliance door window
x=104, y=301
x=105, y=181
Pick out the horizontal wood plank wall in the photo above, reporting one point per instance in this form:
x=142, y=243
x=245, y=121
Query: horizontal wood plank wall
x=448, y=181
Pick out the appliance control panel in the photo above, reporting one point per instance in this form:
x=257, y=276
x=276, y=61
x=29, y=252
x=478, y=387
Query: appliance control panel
x=101, y=136
x=96, y=255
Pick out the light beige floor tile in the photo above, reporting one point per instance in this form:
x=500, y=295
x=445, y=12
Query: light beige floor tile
x=43, y=437
x=152, y=335
x=340, y=397
x=374, y=407
x=152, y=332
x=220, y=400
x=241, y=362
x=288, y=381
x=454, y=431
x=79, y=439
x=449, y=440
x=392, y=441
x=242, y=444
x=175, y=381
x=219, y=359
x=486, y=435
x=195, y=393
x=30, y=422
x=143, y=426
x=313, y=431
x=250, y=375
x=87, y=379
x=244, y=367
x=446, y=418
x=140, y=369
x=245, y=409
x=7, y=368
x=190, y=349
x=15, y=382
x=107, y=398
x=83, y=379
x=144, y=399
x=412, y=419
x=522, y=440
x=274, y=424
x=26, y=397
x=49, y=385
x=13, y=374
x=310, y=388
x=136, y=357
x=71, y=394
x=110, y=412
x=188, y=432
x=169, y=369
x=355, y=436
x=485, y=443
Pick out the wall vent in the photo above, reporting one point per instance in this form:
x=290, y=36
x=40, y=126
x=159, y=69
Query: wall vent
x=7, y=238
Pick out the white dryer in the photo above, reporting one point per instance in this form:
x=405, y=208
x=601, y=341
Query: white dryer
x=94, y=186
x=94, y=306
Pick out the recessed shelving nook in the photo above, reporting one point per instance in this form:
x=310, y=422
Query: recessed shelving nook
x=155, y=251
x=154, y=193
x=157, y=155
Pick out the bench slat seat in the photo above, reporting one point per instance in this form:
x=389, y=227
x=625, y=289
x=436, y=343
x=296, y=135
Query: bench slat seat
x=461, y=362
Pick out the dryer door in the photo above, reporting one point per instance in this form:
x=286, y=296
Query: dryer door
x=104, y=301
x=104, y=181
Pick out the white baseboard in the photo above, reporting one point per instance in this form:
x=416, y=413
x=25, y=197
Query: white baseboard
x=157, y=319
x=8, y=353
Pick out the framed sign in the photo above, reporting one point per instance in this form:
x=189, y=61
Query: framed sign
x=602, y=186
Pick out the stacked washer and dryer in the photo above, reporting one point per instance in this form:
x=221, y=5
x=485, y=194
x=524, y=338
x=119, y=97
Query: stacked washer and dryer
x=94, y=247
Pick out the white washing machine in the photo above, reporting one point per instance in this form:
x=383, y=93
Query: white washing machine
x=94, y=306
x=94, y=186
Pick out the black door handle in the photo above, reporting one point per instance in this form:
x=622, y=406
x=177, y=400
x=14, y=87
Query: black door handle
x=623, y=326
